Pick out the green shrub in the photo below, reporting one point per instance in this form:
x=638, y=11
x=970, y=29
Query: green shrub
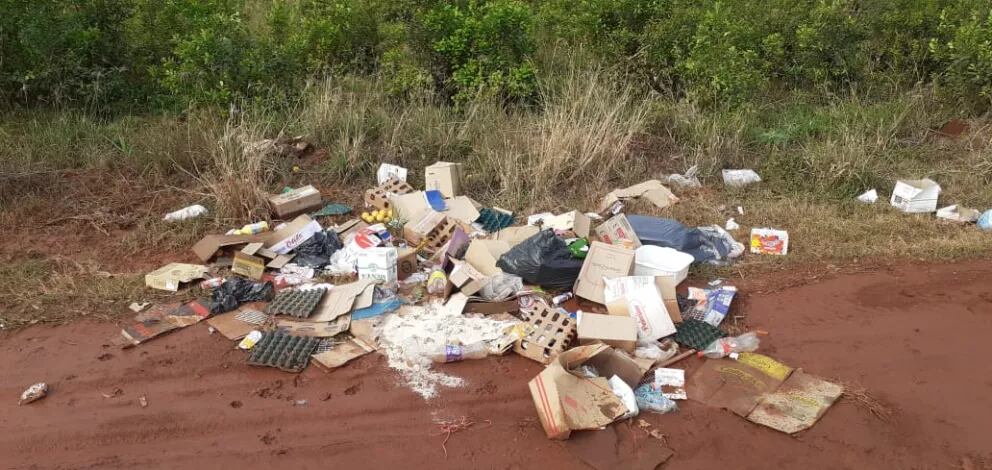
x=964, y=51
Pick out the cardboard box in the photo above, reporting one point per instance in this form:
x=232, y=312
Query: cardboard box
x=406, y=263
x=378, y=264
x=483, y=254
x=342, y=299
x=292, y=235
x=415, y=231
x=444, y=177
x=169, y=277
x=638, y=298
x=465, y=277
x=574, y=221
x=617, y=331
x=602, y=261
x=409, y=207
x=512, y=236
x=616, y=230
x=666, y=287
x=567, y=402
x=252, y=267
x=462, y=209
x=914, y=196
x=295, y=202
x=766, y=241
x=651, y=190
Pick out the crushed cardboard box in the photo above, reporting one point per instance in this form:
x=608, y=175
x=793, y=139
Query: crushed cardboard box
x=343, y=299
x=252, y=267
x=617, y=231
x=568, y=402
x=170, y=276
x=603, y=261
x=651, y=190
x=915, y=196
x=342, y=353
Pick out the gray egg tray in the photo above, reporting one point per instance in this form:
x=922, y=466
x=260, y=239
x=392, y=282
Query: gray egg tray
x=284, y=351
x=296, y=303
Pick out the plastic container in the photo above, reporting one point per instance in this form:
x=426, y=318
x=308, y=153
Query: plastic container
x=252, y=229
x=458, y=352
x=185, y=213
x=732, y=345
x=650, y=260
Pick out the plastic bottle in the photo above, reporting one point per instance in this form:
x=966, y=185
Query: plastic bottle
x=561, y=298
x=724, y=347
x=190, y=212
x=458, y=352
x=437, y=281
x=252, y=229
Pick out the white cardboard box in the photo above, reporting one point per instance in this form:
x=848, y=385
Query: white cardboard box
x=377, y=264
x=914, y=196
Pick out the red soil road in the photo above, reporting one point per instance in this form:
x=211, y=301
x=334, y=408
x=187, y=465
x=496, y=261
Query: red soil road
x=916, y=336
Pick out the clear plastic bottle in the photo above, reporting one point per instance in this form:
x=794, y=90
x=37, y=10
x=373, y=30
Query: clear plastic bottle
x=458, y=352
x=437, y=281
x=724, y=347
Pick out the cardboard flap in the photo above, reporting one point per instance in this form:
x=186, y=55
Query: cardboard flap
x=483, y=254
x=409, y=207
x=342, y=353
x=341, y=300
x=651, y=190
x=461, y=209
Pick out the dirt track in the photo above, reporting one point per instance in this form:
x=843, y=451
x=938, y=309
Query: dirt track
x=914, y=336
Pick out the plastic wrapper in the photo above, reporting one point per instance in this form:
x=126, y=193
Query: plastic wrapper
x=543, y=259
x=650, y=399
x=622, y=390
x=654, y=351
x=33, y=393
x=501, y=287
x=236, y=291
x=316, y=252
x=706, y=244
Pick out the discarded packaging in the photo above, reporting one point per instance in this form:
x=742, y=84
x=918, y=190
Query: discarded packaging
x=869, y=196
x=915, y=196
x=685, y=180
x=671, y=383
x=444, y=177
x=250, y=340
x=985, y=220
x=731, y=224
x=740, y=178
x=170, y=276
x=387, y=171
x=614, y=330
x=712, y=305
x=626, y=395
x=731, y=345
x=617, y=231
x=185, y=213
x=603, y=262
x=342, y=353
x=767, y=241
x=651, y=190
x=33, y=393
x=378, y=264
x=295, y=202
x=652, y=399
x=566, y=401
x=544, y=260
x=958, y=214
x=638, y=298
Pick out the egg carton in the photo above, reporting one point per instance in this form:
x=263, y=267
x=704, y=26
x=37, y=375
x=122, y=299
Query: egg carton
x=550, y=333
x=493, y=220
x=296, y=303
x=284, y=351
x=379, y=197
x=697, y=334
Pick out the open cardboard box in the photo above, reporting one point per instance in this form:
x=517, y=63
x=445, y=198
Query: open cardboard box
x=567, y=402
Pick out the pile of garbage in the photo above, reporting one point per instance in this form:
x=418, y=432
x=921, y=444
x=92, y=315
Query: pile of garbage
x=432, y=276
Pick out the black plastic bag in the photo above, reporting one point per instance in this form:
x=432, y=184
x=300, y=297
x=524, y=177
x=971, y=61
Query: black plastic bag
x=236, y=291
x=544, y=260
x=317, y=250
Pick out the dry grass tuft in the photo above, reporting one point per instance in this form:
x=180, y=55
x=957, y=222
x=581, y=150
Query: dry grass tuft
x=864, y=399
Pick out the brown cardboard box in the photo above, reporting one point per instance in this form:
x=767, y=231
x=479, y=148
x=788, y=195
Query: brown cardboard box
x=617, y=331
x=590, y=403
x=483, y=254
x=406, y=263
x=468, y=279
x=617, y=229
x=666, y=286
x=295, y=202
x=444, y=177
x=461, y=209
x=207, y=247
x=512, y=236
x=409, y=207
x=342, y=299
x=169, y=277
x=416, y=230
x=248, y=266
x=602, y=261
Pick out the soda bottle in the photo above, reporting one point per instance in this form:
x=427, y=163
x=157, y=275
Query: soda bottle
x=458, y=352
x=730, y=346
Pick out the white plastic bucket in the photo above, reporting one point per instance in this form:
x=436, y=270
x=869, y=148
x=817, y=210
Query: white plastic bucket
x=650, y=260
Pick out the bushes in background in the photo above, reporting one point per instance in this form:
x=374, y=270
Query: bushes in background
x=147, y=54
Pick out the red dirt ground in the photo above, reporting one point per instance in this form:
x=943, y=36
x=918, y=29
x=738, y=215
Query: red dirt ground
x=913, y=335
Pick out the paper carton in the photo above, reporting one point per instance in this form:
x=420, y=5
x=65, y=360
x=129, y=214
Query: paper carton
x=293, y=234
x=574, y=221
x=444, y=177
x=378, y=264
x=406, y=263
x=617, y=231
x=409, y=207
x=603, y=261
x=915, y=195
x=638, y=298
x=766, y=241
x=169, y=277
x=468, y=279
x=617, y=331
x=567, y=402
x=295, y=202
x=248, y=266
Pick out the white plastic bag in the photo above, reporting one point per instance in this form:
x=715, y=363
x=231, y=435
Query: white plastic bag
x=185, y=213
x=626, y=394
